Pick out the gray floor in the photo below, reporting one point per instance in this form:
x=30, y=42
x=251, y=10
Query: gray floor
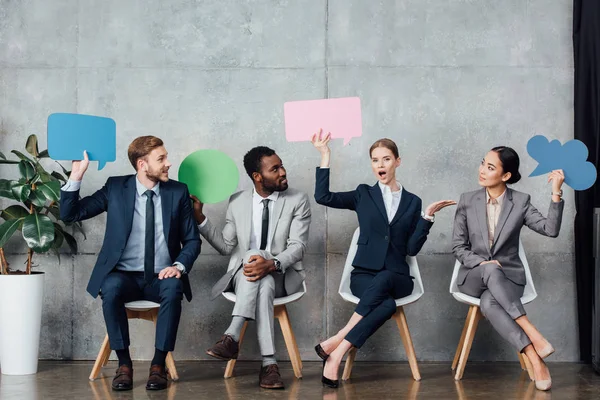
x=203, y=380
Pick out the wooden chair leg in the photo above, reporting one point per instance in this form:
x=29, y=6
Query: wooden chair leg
x=290, y=340
x=473, y=319
x=528, y=366
x=400, y=318
x=349, y=363
x=102, y=358
x=461, y=342
x=523, y=366
x=170, y=361
x=231, y=363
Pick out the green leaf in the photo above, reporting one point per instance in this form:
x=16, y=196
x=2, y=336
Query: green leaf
x=56, y=253
x=59, y=236
x=21, y=191
x=6, y=189
x=38, y=198
x=38, y=232
x=58, y=176
x=50, y=189
x=7, y=229
x=27, y=170
x=32, y=145
x=78, y=226
x=67, y=173
x=22, y=156
x=71, y=242
x=44, y=154
x=54, y=210
x=14, y=212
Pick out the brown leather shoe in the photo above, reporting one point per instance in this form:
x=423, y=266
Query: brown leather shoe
x=157, y=379
x=225, y=349
x=123, y=379
x=269, y=377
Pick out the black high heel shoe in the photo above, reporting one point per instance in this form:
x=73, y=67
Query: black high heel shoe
x=334, y=384
x=321, y=353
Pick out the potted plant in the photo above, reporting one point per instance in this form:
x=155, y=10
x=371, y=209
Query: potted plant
x=35, y=217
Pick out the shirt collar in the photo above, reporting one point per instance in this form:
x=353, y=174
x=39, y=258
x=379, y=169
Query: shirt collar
x=257, y=198
x=499, y=199
x=386, y=189
x=141, y=189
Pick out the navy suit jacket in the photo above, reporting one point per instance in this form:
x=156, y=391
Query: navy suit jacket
x=117, y=198
x=380, y=243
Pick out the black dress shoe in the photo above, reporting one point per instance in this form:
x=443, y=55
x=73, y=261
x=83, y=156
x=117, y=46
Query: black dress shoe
x=334, y=384
x=321, y=353
x=123, y=379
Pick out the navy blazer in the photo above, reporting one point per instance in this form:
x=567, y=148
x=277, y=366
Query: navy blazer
x=380, y=243
x=117, y=198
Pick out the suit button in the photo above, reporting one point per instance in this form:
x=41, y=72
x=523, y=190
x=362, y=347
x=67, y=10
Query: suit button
x=387, y=238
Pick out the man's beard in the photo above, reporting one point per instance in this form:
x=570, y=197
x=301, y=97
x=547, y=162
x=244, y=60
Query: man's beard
x=156, y=176
x=275, y=186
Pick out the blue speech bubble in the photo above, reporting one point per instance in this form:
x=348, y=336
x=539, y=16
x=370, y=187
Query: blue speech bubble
x=70, y=134
x=571, y=157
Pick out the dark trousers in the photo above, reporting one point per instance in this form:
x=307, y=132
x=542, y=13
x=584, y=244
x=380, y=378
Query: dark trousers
x=121, y=287
x=378, y=291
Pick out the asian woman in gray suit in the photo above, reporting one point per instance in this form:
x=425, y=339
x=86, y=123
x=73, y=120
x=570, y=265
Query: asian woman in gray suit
x=485, y=240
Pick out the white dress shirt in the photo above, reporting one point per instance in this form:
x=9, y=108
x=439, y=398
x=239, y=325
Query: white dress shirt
x=391, y=200
x=257, y=209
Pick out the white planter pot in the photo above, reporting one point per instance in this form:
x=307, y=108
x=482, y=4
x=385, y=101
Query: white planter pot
x=21, y=299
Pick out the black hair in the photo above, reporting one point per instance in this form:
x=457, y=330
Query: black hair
x=510, y=162
x=253, y=158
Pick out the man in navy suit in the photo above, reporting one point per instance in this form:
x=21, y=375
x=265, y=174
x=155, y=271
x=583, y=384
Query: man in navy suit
x=150, y=245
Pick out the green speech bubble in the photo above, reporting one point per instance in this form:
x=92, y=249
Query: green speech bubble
x=210, y=175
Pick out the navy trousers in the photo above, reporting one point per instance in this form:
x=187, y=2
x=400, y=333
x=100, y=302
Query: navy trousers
x=121, y=287
x=377, y=291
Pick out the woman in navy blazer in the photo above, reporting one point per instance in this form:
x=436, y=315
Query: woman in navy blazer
x=392, y=226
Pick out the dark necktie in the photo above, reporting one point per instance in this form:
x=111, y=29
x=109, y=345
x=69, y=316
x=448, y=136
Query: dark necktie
x=265, y=224
x=149, y=240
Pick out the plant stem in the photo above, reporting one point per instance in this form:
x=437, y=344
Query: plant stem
x=30, y=251
x=3, y=262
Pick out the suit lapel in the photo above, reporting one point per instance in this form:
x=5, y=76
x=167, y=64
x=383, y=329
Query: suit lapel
x=481, y=213
x=504, y=213
x=377, y=197
x=405, y=201
x=129, y=203
x=278, y=208
x=166, y=199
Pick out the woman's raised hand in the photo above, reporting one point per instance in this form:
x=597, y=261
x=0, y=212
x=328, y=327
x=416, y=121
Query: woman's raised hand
x=320, y=142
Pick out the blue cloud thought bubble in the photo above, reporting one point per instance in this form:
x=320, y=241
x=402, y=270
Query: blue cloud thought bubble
x=70, y=134
x=571, y=157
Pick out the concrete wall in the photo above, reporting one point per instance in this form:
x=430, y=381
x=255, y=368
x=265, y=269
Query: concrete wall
x=446, y=79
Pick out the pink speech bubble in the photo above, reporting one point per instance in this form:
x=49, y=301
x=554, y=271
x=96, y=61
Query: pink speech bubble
x=341, y=117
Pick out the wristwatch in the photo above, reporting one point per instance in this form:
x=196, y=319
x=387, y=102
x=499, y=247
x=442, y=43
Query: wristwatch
x=277, y=266
x=559, y=193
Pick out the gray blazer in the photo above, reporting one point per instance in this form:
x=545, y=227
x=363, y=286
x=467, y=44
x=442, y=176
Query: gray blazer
x=470, y=243
x=288, y=228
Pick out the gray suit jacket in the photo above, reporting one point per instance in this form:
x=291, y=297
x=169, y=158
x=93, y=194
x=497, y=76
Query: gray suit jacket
x=470, y=243
x=288, y=229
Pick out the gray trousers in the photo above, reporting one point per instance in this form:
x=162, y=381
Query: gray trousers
x=500, y=301
x=254, y=300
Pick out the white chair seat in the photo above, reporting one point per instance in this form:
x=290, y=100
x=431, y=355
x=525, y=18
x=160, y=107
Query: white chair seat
x=529, y=294
x=346, y=293
x=141, y=305
x=279, y=301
